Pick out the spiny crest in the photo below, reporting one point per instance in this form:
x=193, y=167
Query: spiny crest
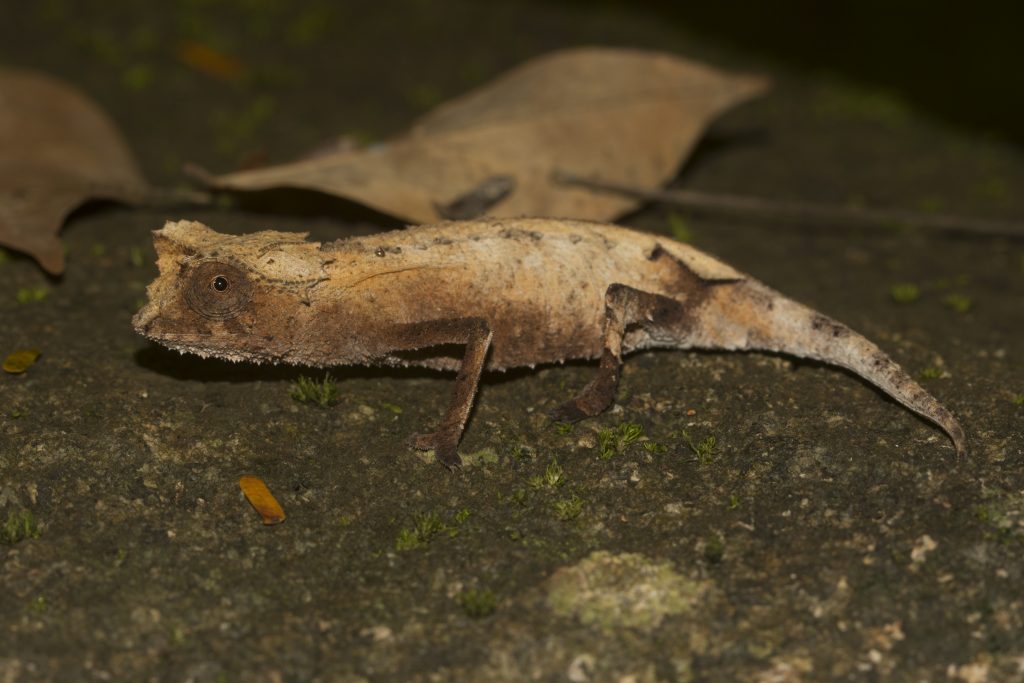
x=271, y=255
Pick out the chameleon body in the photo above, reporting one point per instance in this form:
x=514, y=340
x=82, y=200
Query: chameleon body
x=500, y=293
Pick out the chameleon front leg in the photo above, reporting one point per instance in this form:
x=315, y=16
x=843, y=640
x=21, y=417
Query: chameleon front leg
x=476, y=334
x=624, y=306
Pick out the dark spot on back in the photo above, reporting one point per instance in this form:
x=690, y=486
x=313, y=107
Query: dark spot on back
x=823, y=324
x=520, y=234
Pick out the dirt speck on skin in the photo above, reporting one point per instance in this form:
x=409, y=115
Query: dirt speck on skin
x=828, y=534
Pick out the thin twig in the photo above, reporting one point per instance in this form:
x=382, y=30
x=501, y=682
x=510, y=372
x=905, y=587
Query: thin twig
x=805, y=213
x=148, y=195
x=175, y=196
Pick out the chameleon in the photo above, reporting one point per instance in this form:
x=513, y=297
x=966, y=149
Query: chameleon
x=486, y=294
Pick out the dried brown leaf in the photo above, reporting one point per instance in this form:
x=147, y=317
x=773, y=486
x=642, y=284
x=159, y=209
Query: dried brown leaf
x=620, y=114
x=260, y=497
x=58, y=149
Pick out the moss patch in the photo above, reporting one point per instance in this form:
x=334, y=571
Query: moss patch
x=308, y=390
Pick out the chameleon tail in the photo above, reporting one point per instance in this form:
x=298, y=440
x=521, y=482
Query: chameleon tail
x=748, y=315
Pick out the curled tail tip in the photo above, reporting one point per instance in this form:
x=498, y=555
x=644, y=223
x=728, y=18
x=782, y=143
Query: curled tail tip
x=956, y=433
x=945, y=419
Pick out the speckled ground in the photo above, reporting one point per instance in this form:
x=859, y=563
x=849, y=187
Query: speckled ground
x=826, y=534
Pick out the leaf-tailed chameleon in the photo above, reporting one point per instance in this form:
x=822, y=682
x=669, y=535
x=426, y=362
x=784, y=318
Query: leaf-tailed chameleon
x=504, y=293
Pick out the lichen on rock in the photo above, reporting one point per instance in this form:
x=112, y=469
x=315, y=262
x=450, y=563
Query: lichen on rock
x=611, y=591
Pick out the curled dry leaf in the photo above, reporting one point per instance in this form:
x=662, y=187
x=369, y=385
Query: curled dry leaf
x=19, y=361
x=260, y=497
x=620, y=114
x=58, y=149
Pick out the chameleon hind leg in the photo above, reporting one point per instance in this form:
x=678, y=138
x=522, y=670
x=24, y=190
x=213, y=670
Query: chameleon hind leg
x=624, y=307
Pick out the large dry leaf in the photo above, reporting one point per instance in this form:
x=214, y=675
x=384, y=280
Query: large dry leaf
x=58, y=149
x=623, y=115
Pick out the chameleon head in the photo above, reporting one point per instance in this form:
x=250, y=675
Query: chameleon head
x=234, y=297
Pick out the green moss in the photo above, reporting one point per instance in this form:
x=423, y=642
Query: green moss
x=703, y=449
x=38, y=604
x=396, y=409
x=28, y=295
x=1002, y=516
x=1018, y=399
x=564, y=428
x=653, y=447
x=960, y=303
x=311, y=26
x=840, y=100
x=569, y=508
x=20, y=526
x=424, y=528
x=137, y=77
x=484, y=456
x=427, y=526
x=518, y=497
x=930, y=373
x=905, y=293
x=612, y=442
x=135, y=256
x=478, y=603
x=425, y=96
x=994, y=188
x=553, y=477
x=681, y=230
x=518, y=451
x=714, y=548
x=307, y=390
x=236, y=131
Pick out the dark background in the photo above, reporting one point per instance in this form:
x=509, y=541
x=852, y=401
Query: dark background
x=962, y=61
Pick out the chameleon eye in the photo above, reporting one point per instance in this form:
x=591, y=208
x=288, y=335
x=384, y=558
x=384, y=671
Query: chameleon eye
x=217, y=290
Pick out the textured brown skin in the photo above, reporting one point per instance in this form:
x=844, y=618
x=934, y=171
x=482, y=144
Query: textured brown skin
x=508, y=293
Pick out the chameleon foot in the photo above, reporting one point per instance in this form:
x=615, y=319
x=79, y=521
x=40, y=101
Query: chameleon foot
x=567, y=412
x=443, y=446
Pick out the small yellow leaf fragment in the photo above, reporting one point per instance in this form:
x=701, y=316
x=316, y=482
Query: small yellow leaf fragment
x=210, y=62
x=260, y=497
x=19, y=361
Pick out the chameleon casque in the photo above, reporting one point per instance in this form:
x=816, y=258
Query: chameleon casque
x=504, y=293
